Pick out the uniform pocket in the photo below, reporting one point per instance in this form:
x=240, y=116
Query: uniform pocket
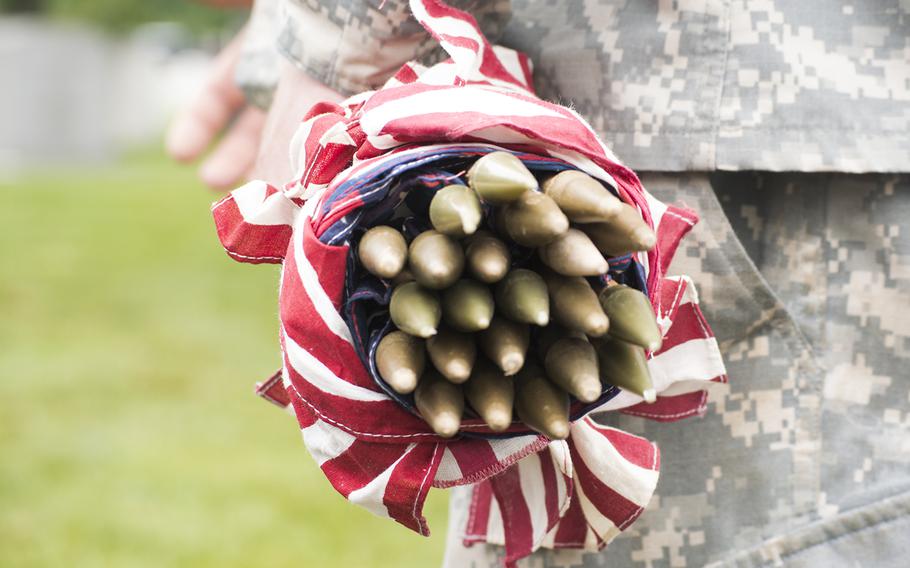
x=750, y=468
x=875, y=535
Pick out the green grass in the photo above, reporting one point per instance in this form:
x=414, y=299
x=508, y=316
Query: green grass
x=129, y=434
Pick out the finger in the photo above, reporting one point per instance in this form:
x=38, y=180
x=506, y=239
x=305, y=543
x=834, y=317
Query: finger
x=235, y=155
x=208, y=114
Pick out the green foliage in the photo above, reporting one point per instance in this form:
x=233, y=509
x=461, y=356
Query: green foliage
x=21, y=6
x=123, y=15
x=128, y=429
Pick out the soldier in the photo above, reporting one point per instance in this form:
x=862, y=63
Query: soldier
x=805, y=276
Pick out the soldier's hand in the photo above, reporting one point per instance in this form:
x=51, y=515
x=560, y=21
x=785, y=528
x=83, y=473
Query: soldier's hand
x=219, y=108
x=295, y=94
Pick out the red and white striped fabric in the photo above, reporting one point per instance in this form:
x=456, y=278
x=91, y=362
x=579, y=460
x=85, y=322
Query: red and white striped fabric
x=529, y=491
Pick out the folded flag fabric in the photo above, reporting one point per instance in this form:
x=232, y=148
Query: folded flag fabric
x=350, y=160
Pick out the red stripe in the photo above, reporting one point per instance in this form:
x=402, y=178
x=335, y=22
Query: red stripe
x=319, y=126
x=675, y=223
x=304, y=324
x=406, y=74
x=608, y=501
x=455, y=126
x=330, y=160
x=670, y=295
x=491, y=66
x=323, y=107
x=305, y=416
x=273, y=390
x=687, y=326
x=330, y=262
x=634, y=449
x=437, y=9
x=673, y=408
x=473, y=456
x=360, y=464
x=551, y=490
x=246, y=242
x=402, y=92
x=460, y=41
x=572, y=528
x=381, y=420
x=516, y=519
x=478, y=513
x=409, y=485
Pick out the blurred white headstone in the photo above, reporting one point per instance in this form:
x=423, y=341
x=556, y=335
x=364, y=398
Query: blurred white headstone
x=71, y=94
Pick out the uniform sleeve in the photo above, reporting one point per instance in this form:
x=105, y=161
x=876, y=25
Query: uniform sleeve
x=355, y=45
x=258, y=67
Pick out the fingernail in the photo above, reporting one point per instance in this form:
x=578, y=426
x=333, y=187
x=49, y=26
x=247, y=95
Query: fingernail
x=186, y=139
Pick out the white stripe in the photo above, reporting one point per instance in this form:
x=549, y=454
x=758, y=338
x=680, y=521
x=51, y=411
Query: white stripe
x=257, y=209
x=559, y=451
x=337, y=134
x=510, y=60
x=658, y=208
x=370, y=496
x=326, y=442
x=468, y=60
x=313, y=288
x=467, y=99
x=446, y=25
x=591, y=543
x=297, y=147
x=324, y=379
x=506, y=448
x=603, y=526
x=534, y=494
x=354, y=100
x=286, y=383
x=383, y=141
x=624, y=399
x=694, y=360
x=502, y=134
x=440, y=74
x=563, y=469
x=448, y=468
x=444, y=74
x=550, y=539
x=633, y=482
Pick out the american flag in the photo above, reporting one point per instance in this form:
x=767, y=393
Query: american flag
x=528, y=491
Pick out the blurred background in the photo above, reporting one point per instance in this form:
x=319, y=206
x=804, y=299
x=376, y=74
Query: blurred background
x=129, y=342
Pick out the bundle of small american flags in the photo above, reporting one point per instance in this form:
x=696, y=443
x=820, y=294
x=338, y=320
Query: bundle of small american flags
x=528, y=491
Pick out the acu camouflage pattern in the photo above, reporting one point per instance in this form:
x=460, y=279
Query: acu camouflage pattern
x=258, y=67
x=355, y=45
x=804, y=458
x=813, y=85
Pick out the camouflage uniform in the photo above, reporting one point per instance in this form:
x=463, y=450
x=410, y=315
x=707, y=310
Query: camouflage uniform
x=804, y=459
